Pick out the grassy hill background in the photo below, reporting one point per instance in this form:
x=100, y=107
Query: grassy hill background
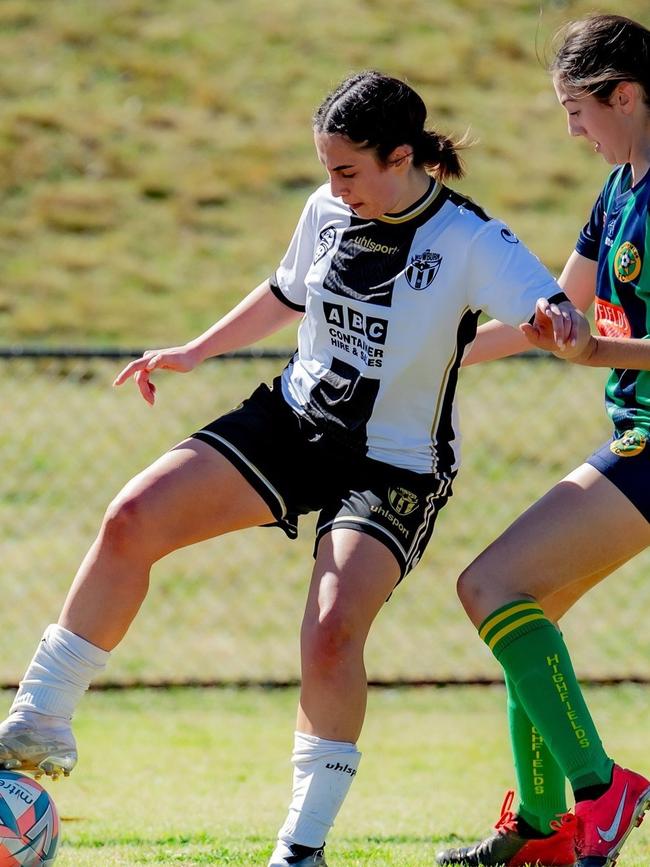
x=154, y=156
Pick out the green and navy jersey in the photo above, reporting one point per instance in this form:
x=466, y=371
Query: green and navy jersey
x=617, y=236
x=391, y=306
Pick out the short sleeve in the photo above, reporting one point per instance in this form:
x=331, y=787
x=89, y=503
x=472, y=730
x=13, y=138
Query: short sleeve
x=288, y=281
x=589, y=240
x=505, y=278
x=588, y=243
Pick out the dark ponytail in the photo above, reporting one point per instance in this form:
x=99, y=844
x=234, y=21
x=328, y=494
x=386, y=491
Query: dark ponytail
x=377, y=111
x=439, y=154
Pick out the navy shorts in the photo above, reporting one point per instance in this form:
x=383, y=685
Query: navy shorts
x=625, y=461
x=298, y=469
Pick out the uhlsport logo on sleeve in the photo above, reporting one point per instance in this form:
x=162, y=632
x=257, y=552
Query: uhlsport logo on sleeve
x=422, y=269
x=509, y=236
x=325, y=242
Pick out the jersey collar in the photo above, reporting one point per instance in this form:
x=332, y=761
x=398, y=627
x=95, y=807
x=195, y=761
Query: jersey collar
x=417, y=208
x=624, y=188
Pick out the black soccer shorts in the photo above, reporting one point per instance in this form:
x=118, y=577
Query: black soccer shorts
x=625, y=461
x=297, y=469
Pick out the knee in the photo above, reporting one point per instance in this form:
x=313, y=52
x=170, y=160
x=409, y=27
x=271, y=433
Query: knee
x=125, y=523
x=476, y=588
x=467, y=587
x=327, y=642
x=487, y=584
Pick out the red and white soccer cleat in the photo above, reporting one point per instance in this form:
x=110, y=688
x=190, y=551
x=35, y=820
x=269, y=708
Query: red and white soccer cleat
x=603, y=825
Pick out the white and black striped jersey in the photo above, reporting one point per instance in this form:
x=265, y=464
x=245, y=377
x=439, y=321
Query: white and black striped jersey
x=391, y=305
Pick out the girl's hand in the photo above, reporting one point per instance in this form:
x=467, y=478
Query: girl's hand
x=558, y=328
x=178, y=358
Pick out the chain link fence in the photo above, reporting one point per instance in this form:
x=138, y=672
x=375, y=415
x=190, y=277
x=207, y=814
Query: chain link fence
x=229, y=610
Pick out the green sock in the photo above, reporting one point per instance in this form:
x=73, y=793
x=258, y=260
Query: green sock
x=541, y=785
x=534, y=656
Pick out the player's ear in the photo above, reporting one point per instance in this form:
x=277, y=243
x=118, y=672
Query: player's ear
x=401, y=157
x=626, y=95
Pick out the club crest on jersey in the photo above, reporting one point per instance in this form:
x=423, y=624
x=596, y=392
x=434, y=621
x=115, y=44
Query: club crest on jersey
x=630, y=444
x=422, y=269
x=325, y=242
x=402, y=501
x=627, y=262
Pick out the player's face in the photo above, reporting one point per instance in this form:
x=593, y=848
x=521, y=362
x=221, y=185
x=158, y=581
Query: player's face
x=598, y=122
x=368, y=186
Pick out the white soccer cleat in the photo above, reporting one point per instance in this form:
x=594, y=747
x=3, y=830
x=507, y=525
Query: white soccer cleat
x=297, y=856
x=40, y=750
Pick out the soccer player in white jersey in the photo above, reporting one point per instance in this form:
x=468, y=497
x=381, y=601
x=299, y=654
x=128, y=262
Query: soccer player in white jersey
x=387, y=272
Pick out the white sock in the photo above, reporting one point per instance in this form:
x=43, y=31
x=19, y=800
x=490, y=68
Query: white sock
x=323, y=773
x=60, y=672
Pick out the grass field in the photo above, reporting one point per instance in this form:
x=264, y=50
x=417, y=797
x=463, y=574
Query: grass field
x=70, y=443
x=154, y=159
x=155, y=156
x=191, y=777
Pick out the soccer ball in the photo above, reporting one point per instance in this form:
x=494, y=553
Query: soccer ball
x=29, y=822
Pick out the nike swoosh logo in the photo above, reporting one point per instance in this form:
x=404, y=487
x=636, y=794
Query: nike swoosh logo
x=612, y=831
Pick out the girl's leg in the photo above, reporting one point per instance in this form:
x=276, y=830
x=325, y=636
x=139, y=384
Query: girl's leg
x=557, y=604
x=571, y=538
x=540, y=829
x=353, y=576
x=540, y=801
x=583, y=527
x=189, y=494
x=540, y=780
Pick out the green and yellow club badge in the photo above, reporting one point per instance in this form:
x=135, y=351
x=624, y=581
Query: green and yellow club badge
x=630, y=444
x=627, y=262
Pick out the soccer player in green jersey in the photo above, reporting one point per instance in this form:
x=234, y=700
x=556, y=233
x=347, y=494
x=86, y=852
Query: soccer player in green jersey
x=598, y=516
